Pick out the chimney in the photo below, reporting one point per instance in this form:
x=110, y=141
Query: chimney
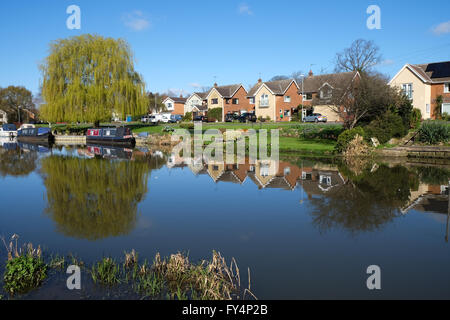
x=310, y=73
x=181, y=95
x=259, y=80
x=215, y=85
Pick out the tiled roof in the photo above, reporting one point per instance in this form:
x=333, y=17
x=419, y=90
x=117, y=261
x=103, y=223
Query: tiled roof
x=433, y=72
x=342, y=80
x=278, y=87
x=228, y=91
x=178, y=99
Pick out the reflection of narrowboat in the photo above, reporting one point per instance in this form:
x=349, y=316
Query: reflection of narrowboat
x=43, y=147
x=120, y=136
x=8, y=130
x=8, y=143
x=110, y=152
x=42, y=135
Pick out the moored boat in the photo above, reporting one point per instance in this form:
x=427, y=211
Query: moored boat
x=120, y=136
x=29, y=134
x=8, y=130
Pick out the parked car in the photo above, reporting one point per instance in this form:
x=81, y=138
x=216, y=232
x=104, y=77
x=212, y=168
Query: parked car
x=165, y=117
x=153, y=119
x=145, y=119
x=315, y=117
x=175, y=118
x=247, y=117
x=200, y=119
x=229, y=117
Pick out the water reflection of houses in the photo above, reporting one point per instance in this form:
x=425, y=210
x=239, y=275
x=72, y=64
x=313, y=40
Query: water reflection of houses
x=428, y=198
x=265, y=174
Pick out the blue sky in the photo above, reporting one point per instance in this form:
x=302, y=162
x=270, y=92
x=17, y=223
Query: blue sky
x=182, y=45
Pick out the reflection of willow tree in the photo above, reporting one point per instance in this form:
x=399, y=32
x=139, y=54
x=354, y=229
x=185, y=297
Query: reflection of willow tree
x=94, y=198
x=17, y=163
x=366, y=202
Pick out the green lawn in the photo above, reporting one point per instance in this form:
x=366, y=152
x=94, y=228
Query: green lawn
x=298, y=145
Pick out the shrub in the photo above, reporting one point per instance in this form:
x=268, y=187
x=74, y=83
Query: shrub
x=24, y=273
x=416, y=118
x=188, y=116
x=446, y=116
x=215, y=113
x=347, y=136
x=188, y=126
x=434, y=132
x=386, y=127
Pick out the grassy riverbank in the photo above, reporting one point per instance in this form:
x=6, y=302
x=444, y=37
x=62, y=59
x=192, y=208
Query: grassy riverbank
x=288, y=143
x=174, y=278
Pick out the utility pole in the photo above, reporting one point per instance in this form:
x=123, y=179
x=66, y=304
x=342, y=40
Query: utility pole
x=18, y=112
x=448, y=214
x=303, y=93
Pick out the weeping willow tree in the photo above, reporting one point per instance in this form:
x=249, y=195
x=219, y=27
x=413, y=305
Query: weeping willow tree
x=87, y=78
x=93, y=198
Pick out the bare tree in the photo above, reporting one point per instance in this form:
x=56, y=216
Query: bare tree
x=278, y=78
x=362, y=56
x=297, y=75
x=363, y=99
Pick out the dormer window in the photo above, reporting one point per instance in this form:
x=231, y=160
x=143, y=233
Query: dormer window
x=326, y=92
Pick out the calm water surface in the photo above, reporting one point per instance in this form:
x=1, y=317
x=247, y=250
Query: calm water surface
x=307, y=229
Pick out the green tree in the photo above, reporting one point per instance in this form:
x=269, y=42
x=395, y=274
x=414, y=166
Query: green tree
x=155, y=103
x=87, y=78
x=13, y=99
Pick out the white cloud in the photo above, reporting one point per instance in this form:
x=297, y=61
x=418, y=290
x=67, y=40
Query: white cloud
x=387, y=62
x=195, y=85
x=177, y=92
x=136, y=21
x=244, y=9
x=442, y=28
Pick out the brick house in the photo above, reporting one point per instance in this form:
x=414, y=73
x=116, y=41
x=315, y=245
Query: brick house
x=424, y=84
x=317, y=91
x=276, y=100
x=231, y=98
x=175, y=105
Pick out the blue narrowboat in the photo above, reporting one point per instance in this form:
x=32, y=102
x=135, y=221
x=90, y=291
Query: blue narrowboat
x=120, y=136
x=43, y=135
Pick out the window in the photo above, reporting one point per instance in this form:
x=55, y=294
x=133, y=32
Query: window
x=215, y=101
x=264, y=170
x=287, y=113
x=287, y=99
x=227, y=101
x=264, y=102
x=325, y=93
x=252, y=100
x=235, y=101
x=428, y=108
x=446, y=108
x=307, y=96
x=325, y=180
x=408, y=90
x=447, y=87
x=287, y=171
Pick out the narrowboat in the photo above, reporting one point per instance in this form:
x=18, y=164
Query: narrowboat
x=41, y=135
x=8, y=130
x=120, y=136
